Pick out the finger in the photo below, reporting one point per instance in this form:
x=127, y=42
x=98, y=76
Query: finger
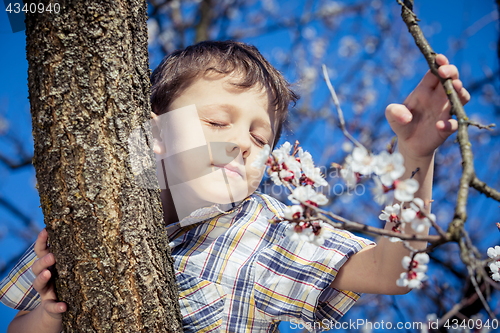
x=398, y=114
x=41, y=248
x=55, y=307
x=43, y=263
x=447, y=126
x=464, y=96
x=448, y=72
x=41, y=283
x=458, y=85
x=441, y=60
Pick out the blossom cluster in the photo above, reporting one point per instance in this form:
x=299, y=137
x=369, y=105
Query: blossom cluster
x=494, y=253
x=388, y=168
x=296, y=169
x=415, y=273
x=413, y=215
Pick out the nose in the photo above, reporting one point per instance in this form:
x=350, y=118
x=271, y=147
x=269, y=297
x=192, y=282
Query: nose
x=241, y=143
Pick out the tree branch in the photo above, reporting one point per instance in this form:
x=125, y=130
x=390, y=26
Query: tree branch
x=457, y=109
x=15, y=165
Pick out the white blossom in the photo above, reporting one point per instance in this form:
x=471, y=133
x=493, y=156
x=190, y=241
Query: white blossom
x=420, y=262
x=494, y=252
x=299, y=231
x=380, y=192
x=290, y=232
x=316, y=176
x=306, y=193
x=408, y=215
x=389, y=167
x=495, y=265
x=275, y=178
x=305, y=158
x=390, y=213
x=262, y=157
x=309, y=170
x=416, y=274
x=293, y=212
x=347, y=146
x=395, y=239
x=411, y=279
x=319, y=240
x=349, y=176
x=404, y=189
x=362, y=161
x=293, y=165
x=282, y=152
x=421, y=221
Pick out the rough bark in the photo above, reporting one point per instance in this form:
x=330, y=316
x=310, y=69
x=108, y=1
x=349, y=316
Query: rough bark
x=89, y=88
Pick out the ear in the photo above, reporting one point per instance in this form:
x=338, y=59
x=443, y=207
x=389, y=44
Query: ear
x=158, y=146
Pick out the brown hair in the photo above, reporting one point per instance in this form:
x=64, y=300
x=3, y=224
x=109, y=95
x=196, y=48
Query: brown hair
x=180, y=68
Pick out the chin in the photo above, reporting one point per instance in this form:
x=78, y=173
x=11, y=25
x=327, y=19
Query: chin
x=217, y=191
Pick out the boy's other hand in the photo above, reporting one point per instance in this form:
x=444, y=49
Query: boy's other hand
x=423, y=122
x=42, y=283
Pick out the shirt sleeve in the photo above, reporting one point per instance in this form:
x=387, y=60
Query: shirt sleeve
x=293, y=278
x=16, y=289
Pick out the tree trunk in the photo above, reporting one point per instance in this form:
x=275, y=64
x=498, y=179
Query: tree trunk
x=89, y=88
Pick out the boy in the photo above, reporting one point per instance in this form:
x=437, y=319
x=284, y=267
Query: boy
x=221, y=103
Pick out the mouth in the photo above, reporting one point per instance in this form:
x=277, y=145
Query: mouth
x=231, y=170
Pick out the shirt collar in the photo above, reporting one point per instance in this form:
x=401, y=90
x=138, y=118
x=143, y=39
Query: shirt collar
x=206, y=213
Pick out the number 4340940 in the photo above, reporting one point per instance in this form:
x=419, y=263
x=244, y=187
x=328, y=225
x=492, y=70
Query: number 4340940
x=471, y=324
x=33, y=8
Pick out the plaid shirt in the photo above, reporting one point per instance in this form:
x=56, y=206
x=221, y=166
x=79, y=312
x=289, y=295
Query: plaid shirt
x=237, y=272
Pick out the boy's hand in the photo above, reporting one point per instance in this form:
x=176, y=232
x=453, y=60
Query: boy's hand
x=423, y=122
x=49, y=303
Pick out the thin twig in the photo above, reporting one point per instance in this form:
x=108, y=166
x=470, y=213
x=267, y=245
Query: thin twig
x=433, y=222
x=485, y=189
x=479, y=293
x=457, y=307
x=409, y=9
x=339, y=109
x=481, y=126
x=471, y=264
x=346, y=224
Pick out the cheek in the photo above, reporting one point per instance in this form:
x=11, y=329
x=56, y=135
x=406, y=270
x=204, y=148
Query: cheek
x=254, y=177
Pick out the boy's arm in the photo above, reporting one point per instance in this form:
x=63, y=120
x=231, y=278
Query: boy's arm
x=376, y=268
x=34, y=321
x=421, y=124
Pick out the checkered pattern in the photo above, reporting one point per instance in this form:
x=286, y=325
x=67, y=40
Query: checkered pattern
x=236, y=272
x=16, y=289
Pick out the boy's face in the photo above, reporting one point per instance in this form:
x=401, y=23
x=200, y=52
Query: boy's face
x=212, y=133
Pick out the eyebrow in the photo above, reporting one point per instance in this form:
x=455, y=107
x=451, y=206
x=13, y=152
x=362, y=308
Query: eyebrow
x=228, y=108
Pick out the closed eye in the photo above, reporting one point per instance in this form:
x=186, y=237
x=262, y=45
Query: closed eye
x=260, y=142
x=218, y=125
